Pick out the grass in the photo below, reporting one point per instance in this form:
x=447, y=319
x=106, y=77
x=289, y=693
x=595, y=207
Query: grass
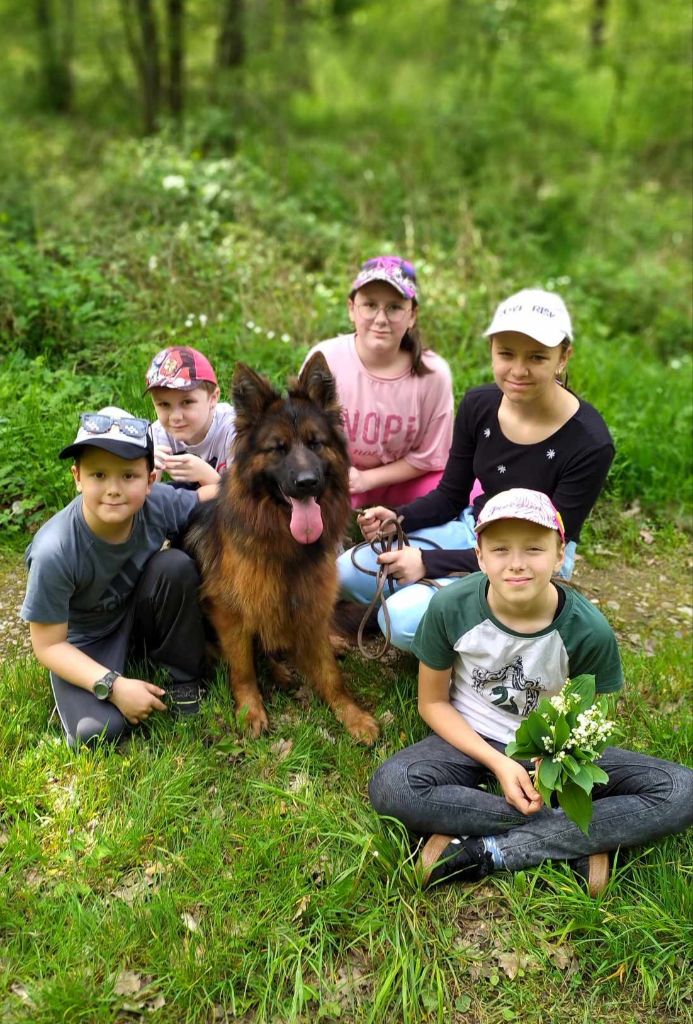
x=195, y=876
x=200, y=876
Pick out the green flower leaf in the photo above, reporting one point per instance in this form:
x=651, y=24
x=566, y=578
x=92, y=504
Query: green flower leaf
x=521, y=752
x=584, y=687
x=548, y=773
x=583, y=778
x=577, y=805
x=598, y=774
x=537, y=728
x=562, y=732
x=544, y=791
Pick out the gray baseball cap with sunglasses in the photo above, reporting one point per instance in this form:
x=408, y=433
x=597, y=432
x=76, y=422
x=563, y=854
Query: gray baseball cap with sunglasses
x=115, y=431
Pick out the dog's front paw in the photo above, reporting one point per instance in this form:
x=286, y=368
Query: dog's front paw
x=362, y=726
x=253, y=720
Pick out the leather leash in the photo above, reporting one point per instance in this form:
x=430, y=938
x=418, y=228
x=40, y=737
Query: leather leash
x=382, y=543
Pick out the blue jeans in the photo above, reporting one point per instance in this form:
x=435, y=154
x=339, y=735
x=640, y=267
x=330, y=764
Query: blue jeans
x=433, y=787
x=409, y=601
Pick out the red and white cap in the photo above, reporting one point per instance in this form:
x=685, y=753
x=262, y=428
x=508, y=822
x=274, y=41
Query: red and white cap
x=179, y=367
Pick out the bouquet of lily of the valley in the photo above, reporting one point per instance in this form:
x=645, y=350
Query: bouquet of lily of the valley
x=565, y=735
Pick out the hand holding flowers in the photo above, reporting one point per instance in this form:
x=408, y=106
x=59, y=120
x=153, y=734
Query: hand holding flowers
x=565, y=735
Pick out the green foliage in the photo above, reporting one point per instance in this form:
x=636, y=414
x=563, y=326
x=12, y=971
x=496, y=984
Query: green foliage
x=566, y=747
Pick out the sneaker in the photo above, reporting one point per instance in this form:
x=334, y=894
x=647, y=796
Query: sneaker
x=185, y=698
x=594, y=869
x=458, y=858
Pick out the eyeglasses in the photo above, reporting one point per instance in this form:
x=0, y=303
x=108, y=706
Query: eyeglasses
x=99, y=423
x=394, y=311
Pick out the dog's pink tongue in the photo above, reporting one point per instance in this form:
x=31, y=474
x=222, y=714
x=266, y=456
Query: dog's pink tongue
x=306, y=520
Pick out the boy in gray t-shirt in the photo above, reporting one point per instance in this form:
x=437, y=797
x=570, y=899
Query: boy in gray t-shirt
x=100, y=585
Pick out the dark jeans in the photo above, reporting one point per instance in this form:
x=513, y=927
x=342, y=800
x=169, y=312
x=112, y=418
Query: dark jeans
x=164, y=624
x=433, y=787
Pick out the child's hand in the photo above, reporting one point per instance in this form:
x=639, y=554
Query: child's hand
x=404, y=565
x=190, y=469
x=371, y=520
x=136, y=699
x=357, y=481
x=161, y=451
x=517, y=786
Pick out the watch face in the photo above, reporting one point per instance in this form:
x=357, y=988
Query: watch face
x=103, y=686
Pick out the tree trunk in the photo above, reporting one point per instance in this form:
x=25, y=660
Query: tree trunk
x=175, y=11
x=231, y=38
x=142, y=35
x=598, y=25
x=56, y=40
x=296, y=70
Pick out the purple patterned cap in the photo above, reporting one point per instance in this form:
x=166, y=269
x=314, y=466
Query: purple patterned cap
x=392, y=270
x=521, y=503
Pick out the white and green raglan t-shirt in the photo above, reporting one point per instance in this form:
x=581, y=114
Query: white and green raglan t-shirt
x=499, y=676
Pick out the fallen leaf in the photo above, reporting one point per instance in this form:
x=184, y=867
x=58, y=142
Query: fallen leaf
x=282, y=748
x=21, y=992
x=128, y=983
x=509, y=963
x=298, y=782
x=134, y=888
x=301, y=907
x=563, y=958
x=189, y=921
x=647, y=536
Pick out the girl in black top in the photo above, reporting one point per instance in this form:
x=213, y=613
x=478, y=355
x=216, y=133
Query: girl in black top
x=526, y=430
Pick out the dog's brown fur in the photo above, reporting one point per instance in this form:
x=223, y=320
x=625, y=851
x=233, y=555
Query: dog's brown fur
x=260, y=586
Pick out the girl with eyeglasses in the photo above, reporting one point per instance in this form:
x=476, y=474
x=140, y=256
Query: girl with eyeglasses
x=396, y=396
x=527, y=429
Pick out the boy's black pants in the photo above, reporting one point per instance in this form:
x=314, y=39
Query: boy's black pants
x=164, y=623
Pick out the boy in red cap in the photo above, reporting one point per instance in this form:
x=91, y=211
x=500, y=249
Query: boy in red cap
x=193, y=430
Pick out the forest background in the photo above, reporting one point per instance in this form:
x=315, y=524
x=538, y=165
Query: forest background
x=212, y=173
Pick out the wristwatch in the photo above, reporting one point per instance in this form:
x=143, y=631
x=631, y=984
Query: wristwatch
x=104, y=685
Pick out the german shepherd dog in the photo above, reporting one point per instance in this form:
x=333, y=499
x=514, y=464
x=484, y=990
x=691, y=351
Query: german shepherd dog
x=266, y=546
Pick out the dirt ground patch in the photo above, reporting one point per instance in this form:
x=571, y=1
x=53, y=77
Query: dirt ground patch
x=644, y=603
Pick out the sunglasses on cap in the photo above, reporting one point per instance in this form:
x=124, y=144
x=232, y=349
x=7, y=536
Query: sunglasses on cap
x=100, y=423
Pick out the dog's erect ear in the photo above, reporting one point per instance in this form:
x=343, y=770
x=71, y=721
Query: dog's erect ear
x=251, y=394
x=317, y=382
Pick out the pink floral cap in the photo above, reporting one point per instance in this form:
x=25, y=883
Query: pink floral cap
x=179, y=367
x=392, y=270
x=521, y=503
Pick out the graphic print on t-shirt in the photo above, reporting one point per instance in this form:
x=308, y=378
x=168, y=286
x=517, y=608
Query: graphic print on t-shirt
x=119, y=588
x=509, y=678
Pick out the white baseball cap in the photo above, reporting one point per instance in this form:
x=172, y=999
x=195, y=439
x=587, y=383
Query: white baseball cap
x=540, y=315
x=113, y=430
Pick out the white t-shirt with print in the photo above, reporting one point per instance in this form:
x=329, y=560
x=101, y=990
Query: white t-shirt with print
x=215, y=446
x=499, y=676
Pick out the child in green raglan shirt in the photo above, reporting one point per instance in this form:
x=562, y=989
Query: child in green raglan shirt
x=490, y=646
